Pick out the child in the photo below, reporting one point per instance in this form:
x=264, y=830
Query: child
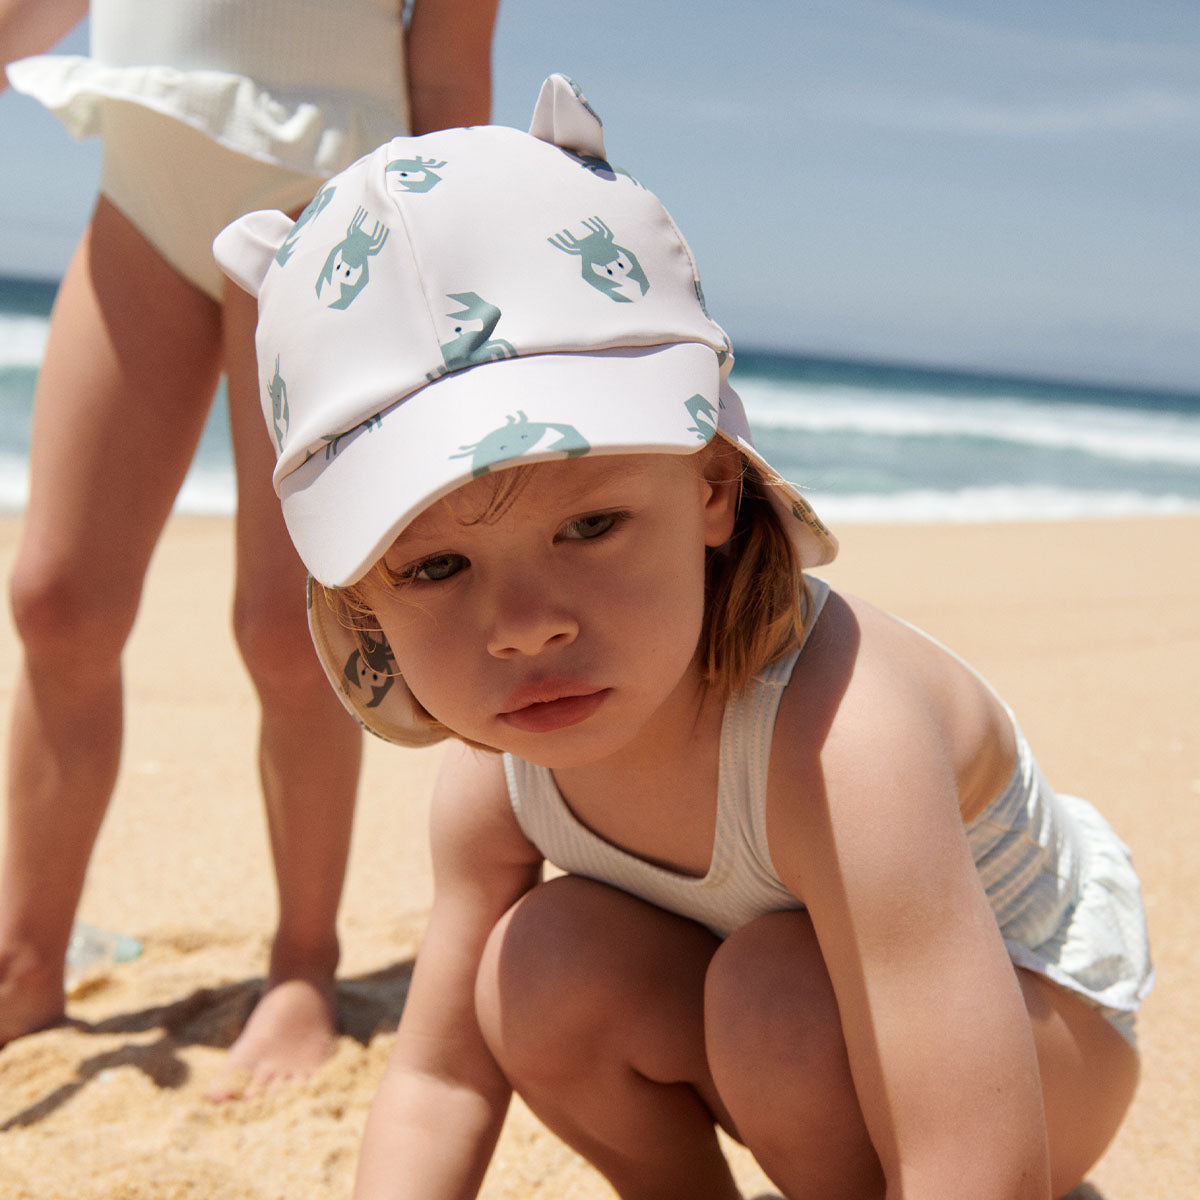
x=817, y=892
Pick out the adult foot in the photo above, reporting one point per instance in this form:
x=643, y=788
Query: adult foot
x=290, y=1033
x=31, y=995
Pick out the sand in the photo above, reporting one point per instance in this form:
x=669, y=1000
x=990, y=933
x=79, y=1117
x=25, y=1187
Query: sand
x=1091, y=631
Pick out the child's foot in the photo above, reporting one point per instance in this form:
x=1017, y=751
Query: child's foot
x=290, y=1033
x=31, y=996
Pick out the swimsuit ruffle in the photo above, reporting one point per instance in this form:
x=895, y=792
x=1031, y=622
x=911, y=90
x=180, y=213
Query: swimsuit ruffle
x=1078, y=920
x=297, y=134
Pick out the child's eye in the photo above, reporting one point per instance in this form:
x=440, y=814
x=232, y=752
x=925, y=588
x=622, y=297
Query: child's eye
x=435, y=569
x=592, y=526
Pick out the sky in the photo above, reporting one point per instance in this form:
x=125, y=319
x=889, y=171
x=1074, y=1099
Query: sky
x=997, y=185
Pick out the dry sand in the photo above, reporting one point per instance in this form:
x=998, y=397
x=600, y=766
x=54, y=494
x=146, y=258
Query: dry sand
x=1090, y=630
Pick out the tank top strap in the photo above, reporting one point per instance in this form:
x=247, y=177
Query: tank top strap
x=746, y=737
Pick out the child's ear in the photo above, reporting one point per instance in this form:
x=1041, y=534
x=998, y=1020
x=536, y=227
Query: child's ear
x=721, y=469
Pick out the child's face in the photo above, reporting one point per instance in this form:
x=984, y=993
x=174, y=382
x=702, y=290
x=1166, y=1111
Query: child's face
x=566, y=626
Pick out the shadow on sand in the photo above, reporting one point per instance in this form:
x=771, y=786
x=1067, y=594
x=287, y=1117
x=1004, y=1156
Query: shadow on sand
x=214, y=1017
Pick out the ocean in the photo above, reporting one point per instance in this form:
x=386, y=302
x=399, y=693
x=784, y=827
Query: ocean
x=868, y=441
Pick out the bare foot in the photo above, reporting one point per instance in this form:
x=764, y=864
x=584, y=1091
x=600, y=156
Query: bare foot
x=290, y=1033
x=31, y=995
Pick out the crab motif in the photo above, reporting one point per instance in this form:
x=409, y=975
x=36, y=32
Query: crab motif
x=704, y=415
x=609, y=268
x=413, y=174
x=598, y=166
x=519, y=436
x=473, y=325
x=280, y=412
x=332, y=440
x=347, y=265
x=312, y=210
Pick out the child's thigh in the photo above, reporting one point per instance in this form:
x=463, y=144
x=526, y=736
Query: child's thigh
x=583, y=970
x=1089, y=1075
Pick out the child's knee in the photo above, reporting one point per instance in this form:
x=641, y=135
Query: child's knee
x=570, y=967
x=535, y=991
x=770, y=1011
x=778, y=1059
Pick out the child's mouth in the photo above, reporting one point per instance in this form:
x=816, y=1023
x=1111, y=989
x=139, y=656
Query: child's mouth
x=544, y=716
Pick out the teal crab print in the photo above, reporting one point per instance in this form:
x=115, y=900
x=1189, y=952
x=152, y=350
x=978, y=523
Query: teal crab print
x=583, y=100
x=519, y=436
x=473, y=325
x=413, y=174
x=313, y=209
x=281, y=414
x=704, y=415
x=370, y=670
x=347, y=264
x=600, y=167
x=333, y=440
x=609, y=268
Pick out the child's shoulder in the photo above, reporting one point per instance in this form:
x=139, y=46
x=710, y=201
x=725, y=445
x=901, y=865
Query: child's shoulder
x=859, y=654
x=471, y=812
x=867, y=682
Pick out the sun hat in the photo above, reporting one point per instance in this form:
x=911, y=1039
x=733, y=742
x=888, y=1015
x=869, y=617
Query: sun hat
x=457, y=303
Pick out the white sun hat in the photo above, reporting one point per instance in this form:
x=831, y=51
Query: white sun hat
x=466, y=301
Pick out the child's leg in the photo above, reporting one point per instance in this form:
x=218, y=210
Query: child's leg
x=779, y=1061
x=309, y=751
x=1089, y=1075
x=592, y=1003
x=778, y=1058
x=129, y=372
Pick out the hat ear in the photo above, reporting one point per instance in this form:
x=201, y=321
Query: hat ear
x=245, y=249
x=563, y=117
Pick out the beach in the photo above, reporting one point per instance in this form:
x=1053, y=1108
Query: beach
x=1089, y=629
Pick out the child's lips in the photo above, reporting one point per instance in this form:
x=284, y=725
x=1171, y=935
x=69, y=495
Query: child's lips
x=543, y=708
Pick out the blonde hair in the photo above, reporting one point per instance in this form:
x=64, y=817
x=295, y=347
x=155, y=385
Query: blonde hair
x=756, y=599
x=756, y=596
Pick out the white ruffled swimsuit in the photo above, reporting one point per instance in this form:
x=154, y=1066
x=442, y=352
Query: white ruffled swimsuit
x=212, y=109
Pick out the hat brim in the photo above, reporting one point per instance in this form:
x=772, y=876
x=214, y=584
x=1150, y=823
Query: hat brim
x=347, y=503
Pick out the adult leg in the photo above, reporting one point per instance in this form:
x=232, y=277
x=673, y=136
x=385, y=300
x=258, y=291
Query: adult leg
x=129, y=372
x=778, y=1057
x=591, y=1000
x=309, y=753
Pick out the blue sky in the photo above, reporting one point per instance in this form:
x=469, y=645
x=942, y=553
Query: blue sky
x=998, y=184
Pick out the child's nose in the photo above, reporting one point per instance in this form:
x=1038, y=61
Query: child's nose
x=528, y=619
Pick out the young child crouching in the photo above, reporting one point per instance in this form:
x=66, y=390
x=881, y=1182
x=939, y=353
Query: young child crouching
x=816, y=891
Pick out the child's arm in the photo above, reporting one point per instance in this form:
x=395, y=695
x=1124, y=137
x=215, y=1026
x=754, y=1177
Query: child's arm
x=448, y=52
x=939, y=1041
x=435, y=1120
x=33, y=26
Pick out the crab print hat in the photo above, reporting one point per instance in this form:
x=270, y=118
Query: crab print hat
x=461, y=302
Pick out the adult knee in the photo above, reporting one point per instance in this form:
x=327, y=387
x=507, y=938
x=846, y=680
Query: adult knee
x=66, y=621
x=275, y=645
